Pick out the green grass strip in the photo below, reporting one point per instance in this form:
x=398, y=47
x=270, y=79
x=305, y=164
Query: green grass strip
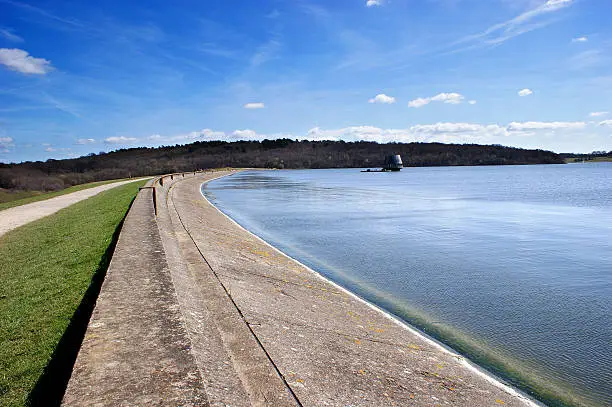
x=11, y=199
x=46, y=268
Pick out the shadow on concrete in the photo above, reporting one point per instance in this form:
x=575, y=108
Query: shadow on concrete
x=51, y=385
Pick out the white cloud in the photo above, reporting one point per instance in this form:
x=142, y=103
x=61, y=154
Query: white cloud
x=419, y=102
x=158, y=139
x=258, y=105
x=580, y=39
x=441, y=128
x=448, y=132
x=438, y=132
x=83, y=141
x=382, y=98
x=526, y=126
x=245, y=135
x=525, y=92
x=208, y=134
x=373, y=3
x=450, y=98
x=50, y=149
x=598, y=114
x=20, y=61
x=9, y=35
x=472, y=102
x=202, y=135
x=120, y=140
x=530, y=134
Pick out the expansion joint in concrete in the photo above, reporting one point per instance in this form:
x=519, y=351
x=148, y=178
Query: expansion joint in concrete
x=237, y=308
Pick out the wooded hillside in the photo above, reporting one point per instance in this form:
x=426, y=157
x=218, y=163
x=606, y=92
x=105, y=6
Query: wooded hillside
x=282, y=153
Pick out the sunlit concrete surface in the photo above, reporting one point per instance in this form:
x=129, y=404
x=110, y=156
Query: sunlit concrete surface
x=197, y=311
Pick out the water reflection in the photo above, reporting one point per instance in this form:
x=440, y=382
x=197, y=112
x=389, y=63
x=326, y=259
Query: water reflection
x=512, y=263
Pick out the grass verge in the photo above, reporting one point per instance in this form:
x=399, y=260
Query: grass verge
x=51, y=271
x=11, y=199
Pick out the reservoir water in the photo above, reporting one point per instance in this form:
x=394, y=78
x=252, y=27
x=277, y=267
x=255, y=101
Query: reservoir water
x=511, y=266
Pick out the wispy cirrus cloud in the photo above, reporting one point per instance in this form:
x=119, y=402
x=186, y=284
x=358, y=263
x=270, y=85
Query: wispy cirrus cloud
x=523, y=23
x=525, y=92
x=366, y=54
x=216, y=50
x=85, y=141
x=60, y=105
x=21, y=61
x=66, y=22
x=587, y=59
x=266, y=52
x=597, y=114
x=10, y=35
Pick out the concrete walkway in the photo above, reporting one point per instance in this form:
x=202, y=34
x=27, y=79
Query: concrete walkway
x=12, y=218
x=136, y=351
x=198, y=311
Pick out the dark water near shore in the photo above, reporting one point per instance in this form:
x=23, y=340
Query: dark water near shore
x=509, y=265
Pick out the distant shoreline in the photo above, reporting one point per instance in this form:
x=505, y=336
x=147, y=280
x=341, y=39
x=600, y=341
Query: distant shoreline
x=53, y=175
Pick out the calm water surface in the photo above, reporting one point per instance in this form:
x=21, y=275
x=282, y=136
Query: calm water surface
x=509, y=265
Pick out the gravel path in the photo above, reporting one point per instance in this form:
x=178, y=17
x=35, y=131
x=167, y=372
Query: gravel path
x=12, y=218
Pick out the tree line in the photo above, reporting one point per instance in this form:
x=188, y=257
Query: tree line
x=282, y=153
x=594, y=156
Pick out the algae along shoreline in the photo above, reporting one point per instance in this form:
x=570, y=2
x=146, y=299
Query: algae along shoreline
x=524, y=374
x=503, y=366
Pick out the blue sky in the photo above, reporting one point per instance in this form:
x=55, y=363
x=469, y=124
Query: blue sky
x=79, y=77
